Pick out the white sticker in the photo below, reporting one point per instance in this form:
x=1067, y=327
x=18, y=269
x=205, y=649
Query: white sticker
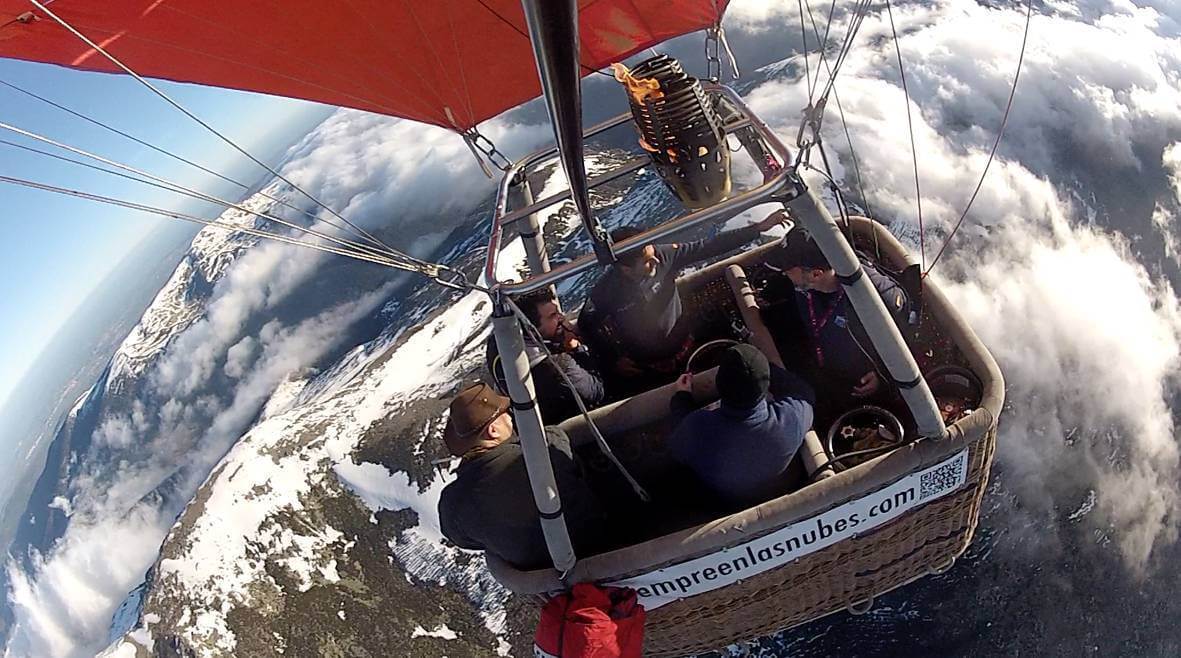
x=730, y=565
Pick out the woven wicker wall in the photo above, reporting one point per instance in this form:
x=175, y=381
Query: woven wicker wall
x=829, y=580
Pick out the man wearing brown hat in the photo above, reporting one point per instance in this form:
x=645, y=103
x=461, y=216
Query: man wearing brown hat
x=490, y=504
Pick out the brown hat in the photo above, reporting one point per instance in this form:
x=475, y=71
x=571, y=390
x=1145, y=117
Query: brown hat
x=471, y=411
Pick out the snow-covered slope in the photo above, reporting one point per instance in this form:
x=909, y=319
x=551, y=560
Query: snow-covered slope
x=180, y=302
x=304, y=514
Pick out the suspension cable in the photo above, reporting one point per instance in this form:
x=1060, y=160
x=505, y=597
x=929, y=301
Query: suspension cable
x=840, y=109
x=181, y=189
x=914, y=155
x=804, y=36
x=117, y=62
x=205, y=222
x=605, y=447
x=159, y=150
x=360, y=248
x=996, y=144
x=821, y=41
x=860, y=10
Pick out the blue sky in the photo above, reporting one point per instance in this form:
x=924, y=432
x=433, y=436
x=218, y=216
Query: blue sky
x=56, y=248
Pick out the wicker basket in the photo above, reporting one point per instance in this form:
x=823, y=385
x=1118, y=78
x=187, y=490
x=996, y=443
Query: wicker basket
x=845, y=575
x=836, y=578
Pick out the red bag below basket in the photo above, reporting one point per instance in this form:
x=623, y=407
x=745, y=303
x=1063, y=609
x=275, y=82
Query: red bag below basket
x=591, y=622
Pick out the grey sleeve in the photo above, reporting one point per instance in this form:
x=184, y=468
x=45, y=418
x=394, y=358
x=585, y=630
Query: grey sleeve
x=559, y=442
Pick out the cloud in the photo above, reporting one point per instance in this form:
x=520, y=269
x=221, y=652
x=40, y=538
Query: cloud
x=240, y=356
x=1088, y=338
x=419, y=180
x=65, y=609
x=381, y=172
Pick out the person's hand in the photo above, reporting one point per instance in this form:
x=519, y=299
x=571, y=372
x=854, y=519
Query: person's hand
x=772, y=220
x=570, y=342
x=627, y=367
x=868, y=385
x=685, y=382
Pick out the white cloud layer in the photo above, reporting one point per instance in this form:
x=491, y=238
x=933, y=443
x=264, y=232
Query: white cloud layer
x=1088, y=338
x=377, y=171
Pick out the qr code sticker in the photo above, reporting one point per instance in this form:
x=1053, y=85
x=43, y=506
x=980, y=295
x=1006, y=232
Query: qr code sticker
x=940, y=480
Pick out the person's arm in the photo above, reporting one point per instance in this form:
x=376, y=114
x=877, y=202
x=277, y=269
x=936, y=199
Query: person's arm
x=587, y=384
x=786, y=384
x=584, y=374
x=590, y=329
x=683, y=254
x=682, y=403
x=559, y=441
x=796, y=418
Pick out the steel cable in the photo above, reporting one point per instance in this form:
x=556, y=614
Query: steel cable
x=205, y=222
x=996, y=144
x=168, y=99
x=176, y=187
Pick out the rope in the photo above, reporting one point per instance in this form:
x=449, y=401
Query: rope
x=535, y=333
x=152, y=147
x=114, y=60
x=176, y=187
x=119, y=132
x=996, y=144
x=807, y=68
x=913, y=152
x=205, y=222
x=841, y=112
x=855, y=21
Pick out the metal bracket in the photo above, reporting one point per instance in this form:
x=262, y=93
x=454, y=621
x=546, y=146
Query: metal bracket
x=715, y=43
x=809, y=133
x=485, y=151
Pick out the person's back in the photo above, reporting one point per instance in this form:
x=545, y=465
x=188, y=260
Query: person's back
x=742, y=449
x=490, y=504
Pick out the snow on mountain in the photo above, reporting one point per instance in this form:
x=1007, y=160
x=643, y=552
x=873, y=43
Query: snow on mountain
x=180, y=302
x=304, y=515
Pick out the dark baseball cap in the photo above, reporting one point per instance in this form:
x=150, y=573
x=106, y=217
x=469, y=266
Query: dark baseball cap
x=798, y=249
x=743, y=378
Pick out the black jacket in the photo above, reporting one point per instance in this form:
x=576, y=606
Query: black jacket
x=490, y=505
x=554, y=397
x=643, y=321
x=835, y=349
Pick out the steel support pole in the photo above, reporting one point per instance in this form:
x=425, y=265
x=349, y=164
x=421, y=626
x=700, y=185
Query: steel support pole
x=871, y=311
x=510, y=343
x=530, y=230
x=553, y=31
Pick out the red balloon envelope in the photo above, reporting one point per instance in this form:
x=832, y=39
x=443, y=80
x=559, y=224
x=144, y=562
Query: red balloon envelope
x=451, y=63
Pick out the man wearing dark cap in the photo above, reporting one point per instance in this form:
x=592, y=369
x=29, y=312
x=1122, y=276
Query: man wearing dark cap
x=808, y=308
x=490, y=504
x=634, y=313
x=742, y=449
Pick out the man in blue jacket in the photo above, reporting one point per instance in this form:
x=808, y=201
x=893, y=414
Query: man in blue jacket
x=742, y=449
x=634, y=313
